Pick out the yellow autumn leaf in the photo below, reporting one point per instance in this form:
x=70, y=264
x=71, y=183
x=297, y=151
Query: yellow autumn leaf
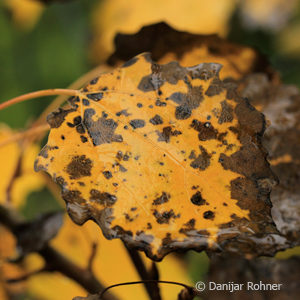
x=25, y=13
x=27, y=180
x=153, y=154
x=128, y=16
x=111, y=265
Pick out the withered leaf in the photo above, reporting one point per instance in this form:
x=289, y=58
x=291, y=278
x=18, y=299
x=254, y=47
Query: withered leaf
x=197, y=179
x=167, y=44
x=281, y=105
x=275, y=279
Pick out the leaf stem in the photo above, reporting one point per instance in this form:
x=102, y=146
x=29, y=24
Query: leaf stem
x=37, y=94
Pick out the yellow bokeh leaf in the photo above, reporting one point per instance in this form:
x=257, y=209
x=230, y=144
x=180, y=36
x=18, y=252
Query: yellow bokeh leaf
x=26, y=180
x=9, y=270
x=25, y=13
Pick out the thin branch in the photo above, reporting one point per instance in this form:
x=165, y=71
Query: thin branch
x=55, y=261
x=92, y=257
x=24, y=134
x=101, y=295
x=38, y=94
x=150, y=283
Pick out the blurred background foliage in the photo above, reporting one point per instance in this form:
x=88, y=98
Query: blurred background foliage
x=51, y=45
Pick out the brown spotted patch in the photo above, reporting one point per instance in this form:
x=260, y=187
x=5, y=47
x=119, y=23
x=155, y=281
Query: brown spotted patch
x=165, y=158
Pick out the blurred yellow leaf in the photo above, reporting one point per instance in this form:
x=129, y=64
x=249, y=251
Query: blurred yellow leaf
x=25, y=13
x=27, y=180
x=128, y=16
x=8, y=270
x=111, y=265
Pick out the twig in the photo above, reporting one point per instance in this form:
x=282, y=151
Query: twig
x=24, y=134
x=147, y=281
x=92, y=257
x=55, y=261
x=151, y=284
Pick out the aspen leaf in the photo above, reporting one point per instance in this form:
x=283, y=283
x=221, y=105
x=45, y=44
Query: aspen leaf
x=123, y=16
x=166, y=158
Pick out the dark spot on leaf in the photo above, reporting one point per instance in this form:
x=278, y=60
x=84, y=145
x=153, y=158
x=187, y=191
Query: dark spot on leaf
x=94, y=81
x=102, y=130
x=215, y=88
x=122, y=169
x=197, y=199
x=80, y=129
x=208, y=215
x=205, y=132
x=56, y=118
x=95, y=96
x=80, y=166
x=156, y=120
x=105, y=199
x=202, y=161
x=137, y=123
x=166, y=133
x=162, y=199
x=83, y=139
x=123, y=112
x=182, y=112
x=226, y=113
x=160, y=103
x=107, y=174
x=72, y=196
x=85, y=102
x=164, y=217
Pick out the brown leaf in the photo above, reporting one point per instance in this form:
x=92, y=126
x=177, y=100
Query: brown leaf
x=281, y=105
